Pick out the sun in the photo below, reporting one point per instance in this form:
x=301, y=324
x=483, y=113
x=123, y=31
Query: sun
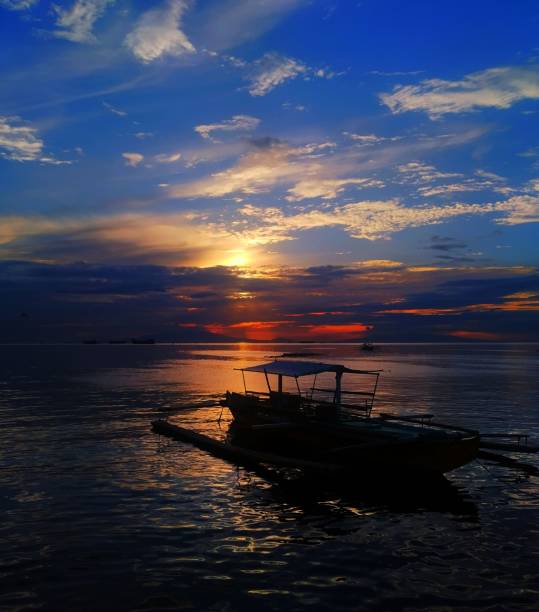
x=236, y=258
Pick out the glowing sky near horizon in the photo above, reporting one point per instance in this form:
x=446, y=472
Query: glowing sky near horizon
x=269, y=169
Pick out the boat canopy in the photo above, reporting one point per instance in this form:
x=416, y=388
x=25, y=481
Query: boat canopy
x=295, y=369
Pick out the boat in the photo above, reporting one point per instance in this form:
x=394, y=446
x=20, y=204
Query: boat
x=324, y=422
x=367, y=346
x=142, y=341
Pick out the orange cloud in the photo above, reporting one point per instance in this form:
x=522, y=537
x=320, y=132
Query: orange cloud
x=270, y=330
x=476, y=335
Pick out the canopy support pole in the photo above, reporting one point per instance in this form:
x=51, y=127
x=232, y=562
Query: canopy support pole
x=267, y=381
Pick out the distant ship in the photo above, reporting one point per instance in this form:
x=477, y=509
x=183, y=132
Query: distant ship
x=367, y=346
x=142, y=341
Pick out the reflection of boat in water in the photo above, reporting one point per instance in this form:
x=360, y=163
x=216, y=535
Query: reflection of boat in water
x=333, y=427
x=367, y=346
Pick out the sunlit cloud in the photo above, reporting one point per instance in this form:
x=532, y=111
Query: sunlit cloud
x=133, y=159
x=369, y=139
x=327, y=189
x=237, y=123
x=418, y=172
x=519, y=209
x=21, y=142
x=158, y=33
x=76, y=23
x=304, y=170
x=495, y=88
x=167, y=158
x=369, y=220
x=273, y=70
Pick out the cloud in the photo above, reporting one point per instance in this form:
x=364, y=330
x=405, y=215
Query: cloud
x=18, y=5
x=167, y=238
x=305, y=169
x=314, y=168
x=369, y=139
x=114, y=110
x=144, y=135
x=519, y=209
x=158, y=33
x=76, y=24
x=20, y=142
x=467, y=186
x=377, y=219
x=396, y=73
x=133, y=159
x=368, y=220
x=237, y=123
x=446, y=244
x=229, y=23
x=273, y=69
x=492, y=88
x=418, y=172
x=327, y=189
x=167, y=158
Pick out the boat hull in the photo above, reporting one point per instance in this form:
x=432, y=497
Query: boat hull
x=368, y=444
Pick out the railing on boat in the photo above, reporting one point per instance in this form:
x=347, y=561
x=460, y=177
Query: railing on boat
x=306, y=400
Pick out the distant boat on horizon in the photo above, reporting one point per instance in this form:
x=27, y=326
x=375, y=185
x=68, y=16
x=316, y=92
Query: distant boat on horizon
x=142, y=341
x=367, y=346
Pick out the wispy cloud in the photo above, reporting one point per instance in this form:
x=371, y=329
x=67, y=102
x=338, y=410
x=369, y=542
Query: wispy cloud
x=306, y=171
x=167, y=158
x=21, y=142
x=229, y=23
x=114, y=110
x=18, y=5
x=273, y=69
x=327, y=189
x=158, y=33
x=395, y=73
x=419, y=172
x=237, y=123
x=493, y=88
x=76, y=23
x=370, y=139
x=133, y=159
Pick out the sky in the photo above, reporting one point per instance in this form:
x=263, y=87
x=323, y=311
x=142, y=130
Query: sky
x=264, y=170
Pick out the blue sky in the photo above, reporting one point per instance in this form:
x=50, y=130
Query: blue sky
x=264, y=169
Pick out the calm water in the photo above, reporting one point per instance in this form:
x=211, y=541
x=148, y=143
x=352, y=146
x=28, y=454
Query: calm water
x=98, y=513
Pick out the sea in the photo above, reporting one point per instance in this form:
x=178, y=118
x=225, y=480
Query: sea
x=99, y=513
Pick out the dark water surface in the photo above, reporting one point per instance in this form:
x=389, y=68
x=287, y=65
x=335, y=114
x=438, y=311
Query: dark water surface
x=99, y=514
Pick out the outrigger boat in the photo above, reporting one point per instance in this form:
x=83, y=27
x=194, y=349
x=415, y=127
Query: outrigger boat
x=326, y=423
